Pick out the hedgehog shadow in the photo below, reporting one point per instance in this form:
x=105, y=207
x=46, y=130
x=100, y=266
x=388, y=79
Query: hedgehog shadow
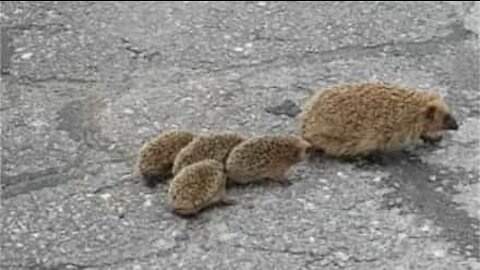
x=200, y=215
x=379, y=158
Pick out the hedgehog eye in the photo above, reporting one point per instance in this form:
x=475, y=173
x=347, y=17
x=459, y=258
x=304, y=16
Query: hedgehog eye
x=430, y=112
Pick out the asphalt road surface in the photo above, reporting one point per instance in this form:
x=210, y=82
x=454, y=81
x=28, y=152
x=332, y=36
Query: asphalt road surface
x=84, y=84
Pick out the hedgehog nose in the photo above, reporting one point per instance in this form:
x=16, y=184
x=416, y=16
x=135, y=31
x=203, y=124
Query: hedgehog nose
x=452, y=123
x=454, y=126
x=310, y=151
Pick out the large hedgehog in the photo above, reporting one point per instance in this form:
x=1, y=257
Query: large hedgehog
x=359, y=118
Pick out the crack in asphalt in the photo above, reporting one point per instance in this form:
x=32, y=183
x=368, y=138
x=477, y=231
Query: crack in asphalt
x=26, y=182
x=313, y=257
x=76, y=265
x=273, y=250
x=41, y=27
x=137, y=52
x=27, y=79
x=126, y=179
x=457, y=34
x=145, y=257
x=6, y=51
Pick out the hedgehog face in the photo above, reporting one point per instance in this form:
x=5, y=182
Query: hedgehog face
x=305, y=150
x=439, y=118
x=449, y=122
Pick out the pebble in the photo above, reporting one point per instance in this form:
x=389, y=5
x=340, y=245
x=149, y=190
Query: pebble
x=288, y=108
x=469, y=247
x=395, y=202
x=128, y=111
x=439, y=253
x=106, y=196
x=39, y=123
x=180, y=235
x=342, y=256
x=27, y=56
x=455, y=252
x=324, y=262
x=147, y=203
x=425, y=228
x=443, y=172
x=323, y=181
x=377, y=179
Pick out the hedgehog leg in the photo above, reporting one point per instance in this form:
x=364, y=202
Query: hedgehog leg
x=224, y=200
x=350, y=159
x=243, y=180
x=152, y=178
x=373, y=158
x=364, y=160
x=281, y=180
x=431, y=138
x=150, y=182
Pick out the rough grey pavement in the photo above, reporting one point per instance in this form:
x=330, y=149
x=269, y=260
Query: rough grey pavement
x=85, y=83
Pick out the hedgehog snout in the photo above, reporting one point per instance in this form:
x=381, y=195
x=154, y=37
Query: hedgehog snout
x=310, y=151
x=451, y=123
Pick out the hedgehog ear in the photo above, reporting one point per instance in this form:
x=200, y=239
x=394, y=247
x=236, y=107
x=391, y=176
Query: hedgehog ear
x=430, y=111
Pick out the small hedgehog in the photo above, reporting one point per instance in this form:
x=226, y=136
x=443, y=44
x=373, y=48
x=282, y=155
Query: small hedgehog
x=156, y=157
x=359, y=119
x=210, y=146
x=265, y=157
x=198, y=186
